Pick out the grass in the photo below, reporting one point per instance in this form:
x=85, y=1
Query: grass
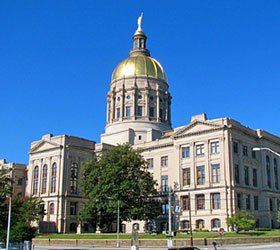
x=161, y=236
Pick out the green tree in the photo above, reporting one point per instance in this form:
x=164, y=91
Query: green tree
x=121, y=174
x=241, y=220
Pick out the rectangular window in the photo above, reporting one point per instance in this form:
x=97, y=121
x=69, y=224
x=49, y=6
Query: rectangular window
x=185, y=203
x=186, y=177
x=127, y=112
x=248, y=203
x=215, y=147
x=235, y=147
x=216, y=173
x=140, y=111
x=246, y=175
x=271, y=204
x=245, y=150
x=238, y=200
x=255, y=177
x=200, y=150
x=150, y=163
x=256, y=202
x=200, y=175
x=253, y=154
x=118, y=112
x=236, y=173
x=152, y=112
x=73, y=208
x=185, y=152
x=216, y=201
x=164, y=208
x=164, y=183
x=164, y=161
x=200, y=202
x=161, y=114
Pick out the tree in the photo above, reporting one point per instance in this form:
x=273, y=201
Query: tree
x=24, y=211
x=121, y=174
x=241, y=220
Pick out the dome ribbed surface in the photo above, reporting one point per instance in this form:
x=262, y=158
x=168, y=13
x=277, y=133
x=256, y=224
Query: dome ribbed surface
x=139, y=65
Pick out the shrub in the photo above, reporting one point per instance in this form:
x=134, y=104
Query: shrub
x=263, y=229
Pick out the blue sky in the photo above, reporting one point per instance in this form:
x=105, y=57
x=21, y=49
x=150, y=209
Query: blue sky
x=57, y=57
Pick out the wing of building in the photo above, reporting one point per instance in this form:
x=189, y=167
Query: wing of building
x=208, y=164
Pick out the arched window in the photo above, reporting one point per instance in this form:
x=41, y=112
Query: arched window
x=44, y=180
x=73, y=228
x=267, y=162
x=200, y=224
x=216, y=223
x=74, y=178
x=135, y=227
x=52, y=208
x=123, y=228
x=275, y=173
x=53, y=181
x=35, y=180
x=185, y=224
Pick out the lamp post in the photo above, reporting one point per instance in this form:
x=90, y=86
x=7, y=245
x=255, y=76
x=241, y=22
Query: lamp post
x=118, y=225
x=268, y=149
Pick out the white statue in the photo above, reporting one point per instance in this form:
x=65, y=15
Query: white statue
x=140, y=22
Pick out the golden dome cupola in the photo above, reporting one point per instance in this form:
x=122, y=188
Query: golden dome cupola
x=138, y=103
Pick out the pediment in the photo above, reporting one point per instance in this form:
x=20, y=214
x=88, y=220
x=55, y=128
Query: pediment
x=44, y=146
x=196, y=127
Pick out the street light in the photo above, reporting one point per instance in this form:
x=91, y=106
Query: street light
x=268, y=149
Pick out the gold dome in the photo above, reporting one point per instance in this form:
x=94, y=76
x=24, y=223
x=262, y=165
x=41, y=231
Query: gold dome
x=139, y=65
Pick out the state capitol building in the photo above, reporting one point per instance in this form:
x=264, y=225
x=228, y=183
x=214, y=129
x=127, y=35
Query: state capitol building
x=208, y=165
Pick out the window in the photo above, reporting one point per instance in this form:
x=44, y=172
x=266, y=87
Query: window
x=52, y=208
x=236, y=173
x=253, y=154
x=118, y=112
x=164, y=208
x=186, y=177
x=256, y=202
x=185, y=152
x=185, y=224
x=19, y=182
x=74, y=178
x=216, y=223
x=164, y=183
x=275, y=173
x=248, y=202
x=35, y=180
x=246, y=175
x=215, y=147
x=200, y=150
x=150, y=163
x=185, y=203
x=238, y=200
x=151, y=112
x=235, y=147
x=200, y=175
x=200, y=202
x=127, y=111
x=270, y=204
x=53, y=180
x=161, y=114
x=128, y=97
x=255, y=177
x=216, y=201
x=139, y=111
x=268, y=172
x=73, y=208
x=199, y=224
x=216, y=173
x=73, y=228
x=164, y=161
x=139, y=97
x=151, y=98
x=136, y=227
x=245, y=150
x=44, y=180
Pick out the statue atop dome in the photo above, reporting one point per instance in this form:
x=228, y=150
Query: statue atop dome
x=140, y=22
